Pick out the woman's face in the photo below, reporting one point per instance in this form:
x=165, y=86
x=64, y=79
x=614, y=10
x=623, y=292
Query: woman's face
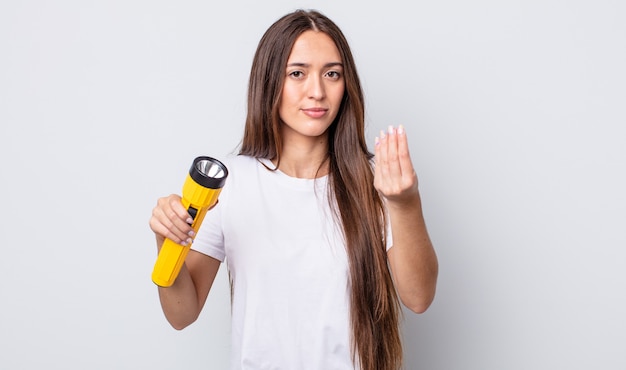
x=313, y=88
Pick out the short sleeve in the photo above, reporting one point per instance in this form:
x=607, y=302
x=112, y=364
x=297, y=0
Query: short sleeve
x=210, y=238
x=389, y=236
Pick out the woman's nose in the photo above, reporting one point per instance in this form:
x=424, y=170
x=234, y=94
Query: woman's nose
x=315, y=87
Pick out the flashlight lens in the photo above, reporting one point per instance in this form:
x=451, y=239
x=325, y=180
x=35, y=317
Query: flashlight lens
x=210, y=169
x=208, y=172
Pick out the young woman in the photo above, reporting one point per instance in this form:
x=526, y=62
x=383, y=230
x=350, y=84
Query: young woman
x=321, y=238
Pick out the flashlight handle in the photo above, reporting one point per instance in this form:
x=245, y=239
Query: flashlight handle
x=172, y=255
x=171, y=258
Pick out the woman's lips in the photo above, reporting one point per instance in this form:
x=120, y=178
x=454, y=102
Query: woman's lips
x=315, y=112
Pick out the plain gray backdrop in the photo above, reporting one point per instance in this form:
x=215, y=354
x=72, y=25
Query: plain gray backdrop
x=515, y=112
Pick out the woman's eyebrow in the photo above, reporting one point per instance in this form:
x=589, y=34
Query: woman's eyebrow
x=299, y=64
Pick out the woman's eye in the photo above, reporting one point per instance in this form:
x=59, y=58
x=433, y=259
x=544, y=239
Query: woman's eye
x=296, y=74
x=333, y=74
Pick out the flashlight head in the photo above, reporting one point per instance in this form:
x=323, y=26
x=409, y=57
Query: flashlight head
x=208, y=172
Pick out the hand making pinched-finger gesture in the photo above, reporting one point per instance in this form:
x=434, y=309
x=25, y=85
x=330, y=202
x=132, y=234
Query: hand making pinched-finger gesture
x=394, y=176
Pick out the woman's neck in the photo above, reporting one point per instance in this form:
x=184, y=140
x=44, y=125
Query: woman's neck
x=307, y=160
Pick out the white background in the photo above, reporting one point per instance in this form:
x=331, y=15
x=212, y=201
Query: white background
x=516, y=115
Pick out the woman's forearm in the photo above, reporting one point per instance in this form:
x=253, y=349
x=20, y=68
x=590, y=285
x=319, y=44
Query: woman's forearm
x=412, y=258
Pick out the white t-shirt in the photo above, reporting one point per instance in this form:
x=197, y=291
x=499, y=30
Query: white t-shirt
x=289, y=269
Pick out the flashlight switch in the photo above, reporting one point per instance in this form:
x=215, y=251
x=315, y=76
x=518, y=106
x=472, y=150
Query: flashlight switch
x=192, y=212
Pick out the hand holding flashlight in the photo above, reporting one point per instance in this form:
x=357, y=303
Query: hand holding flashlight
x=200, y=192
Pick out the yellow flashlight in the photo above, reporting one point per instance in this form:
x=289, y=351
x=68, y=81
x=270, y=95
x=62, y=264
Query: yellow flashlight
x=200, y=191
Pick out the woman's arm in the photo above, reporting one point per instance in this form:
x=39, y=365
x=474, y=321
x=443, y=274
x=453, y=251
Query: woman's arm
x=183, y=301
x=412, y=258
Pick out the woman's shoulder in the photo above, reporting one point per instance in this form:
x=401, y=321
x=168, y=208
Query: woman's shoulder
x=239, y=161
x=241, y=166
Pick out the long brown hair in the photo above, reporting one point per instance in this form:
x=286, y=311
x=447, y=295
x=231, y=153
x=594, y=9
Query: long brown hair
x=374, y=307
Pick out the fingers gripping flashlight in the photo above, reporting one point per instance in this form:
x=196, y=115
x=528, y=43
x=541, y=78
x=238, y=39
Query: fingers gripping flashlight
x=200, y=191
